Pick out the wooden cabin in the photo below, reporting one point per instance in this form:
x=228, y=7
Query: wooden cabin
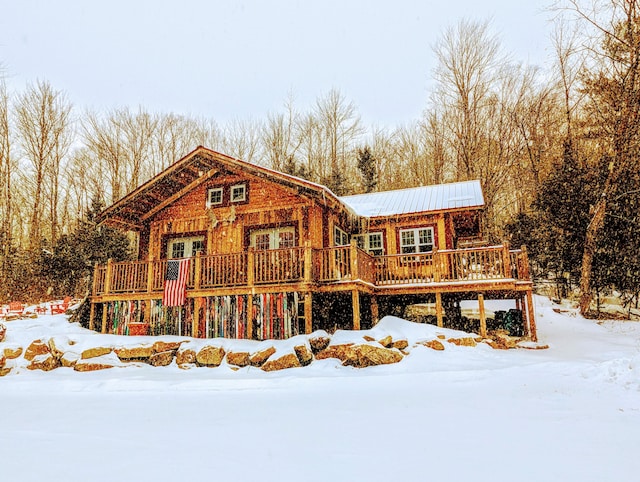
x=272, y=255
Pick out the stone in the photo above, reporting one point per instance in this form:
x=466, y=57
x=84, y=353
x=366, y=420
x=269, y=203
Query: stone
x=238, y=358
x=162, y=346
x=54, y=349
x=290, y=360
x=3, y=332
x=44, y=362
x=12, y=353
x=361, y=356
x=69, y=359
x=400, y=344
x=36, y=348
x=319, y=343
x=502, y=339
x=162, y=359
x=305, y=357
x=386, y=342
x=90, y=366
x=434, y=345
x=185, y=357
x=259, y=358
x=3, y=361
x=136, y=353
x=95, y=352
x=4, y=371
x=441, y=337
x=368, y=338
x=210, y=356
x=335, y=351
x=464, y=341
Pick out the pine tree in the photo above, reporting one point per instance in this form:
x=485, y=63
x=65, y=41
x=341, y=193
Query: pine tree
x=368, y=169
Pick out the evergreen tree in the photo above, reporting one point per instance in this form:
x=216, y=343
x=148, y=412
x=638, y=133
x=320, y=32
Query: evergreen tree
x=368, y=169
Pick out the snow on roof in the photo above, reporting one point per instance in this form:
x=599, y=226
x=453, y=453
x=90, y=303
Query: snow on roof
x=419, y=199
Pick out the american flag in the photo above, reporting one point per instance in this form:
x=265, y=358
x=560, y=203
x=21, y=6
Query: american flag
x=175, y=282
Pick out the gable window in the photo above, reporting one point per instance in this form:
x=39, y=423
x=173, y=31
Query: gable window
x=340, y=238
x=417, y=240
x=371, y=243
x=214, y=196
x=238, y=193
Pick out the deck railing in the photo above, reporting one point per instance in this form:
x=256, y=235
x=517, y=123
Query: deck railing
x=330, y=265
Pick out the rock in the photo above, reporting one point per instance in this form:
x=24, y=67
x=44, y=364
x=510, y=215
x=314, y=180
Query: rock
x=305, y=357
x=400, y=344
x=185, y=357
x=90, y=366
x=210, y=356
x=36, y=348
x=442, y=337
x=162, y=346
x=12, y=353
x=361, y=356
x=54, y=349
x=386, y=342
x=335, y=351
x=136, y=353
x=503, y=340
x=4, y=371
x=434, y=345
x=3, y=332
x=464, y=341
x=44, y=362
x=368, y=338
x=3, y=361
x=258, y=358
x=290, y=360
x=69, y=359
x=162, y=359
x=319, y=343
x=95, y=352
x=238, y=359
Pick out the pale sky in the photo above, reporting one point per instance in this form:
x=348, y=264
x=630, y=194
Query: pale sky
x=239, y=59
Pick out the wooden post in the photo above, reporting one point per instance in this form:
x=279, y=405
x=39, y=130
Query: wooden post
x=195, y=321
x=483, y=317
x=250, y=316
x=92, y=315
x=251, y=262
x=437, y=276
x=308, y=262
x=197, y=275
x=103, y=328
x=353, y=254
x=150, y=274
x=375, y=314
x=531, y=317
x=506, y=260
x=355, y=301
x=525, y=264
x=107, y=279
x=308, y=312
x=439, y=317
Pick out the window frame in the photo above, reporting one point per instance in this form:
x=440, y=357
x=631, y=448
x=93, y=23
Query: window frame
x=242, y=185
x=343, y=235
x=364, y=243
x=416, y=240
x=210, y=191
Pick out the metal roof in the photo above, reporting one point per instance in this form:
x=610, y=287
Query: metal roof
x=439, y=197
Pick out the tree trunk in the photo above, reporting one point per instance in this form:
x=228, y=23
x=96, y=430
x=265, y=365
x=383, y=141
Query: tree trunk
x=597, y=221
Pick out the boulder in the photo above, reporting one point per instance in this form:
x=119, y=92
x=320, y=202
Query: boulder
x=361, y=356
x=95, y=352
x=3, y=361
x=163, y=346
x=4, y=371
x=305, y=357
x=12, y=353
x=502, y=340
x=69, y=359
x=434, y=345
x=238, y=358
x=210, y=356
x=3, y=332
x=258, y=358
x=136, y=353
x=44, y=362
x=319, y=343
x=36, y=348
x=162, y=359
x=54, y=349
x=90, y=366
x=290, y=360
x=386, y=342
x=400, y=344
x=185, y=357
x=464, y=341
x=335, y=351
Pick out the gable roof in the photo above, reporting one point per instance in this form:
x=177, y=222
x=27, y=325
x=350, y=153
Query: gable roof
x=182, y=176
x=440, y=197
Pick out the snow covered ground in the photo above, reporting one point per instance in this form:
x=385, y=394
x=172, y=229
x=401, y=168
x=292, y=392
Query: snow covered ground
x=567, y=413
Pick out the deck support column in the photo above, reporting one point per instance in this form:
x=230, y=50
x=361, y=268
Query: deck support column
x=195, y=320
x=483, y=317
x=103, y=328
x=355, y=302
x=250, y=316
x=439, y=317
x=92, y=315
x=531, y=318
x=375, y=312
x=308, y=312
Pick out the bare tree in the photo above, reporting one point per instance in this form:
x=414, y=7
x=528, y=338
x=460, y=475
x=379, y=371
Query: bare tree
x=279, y=140
x=6, y=172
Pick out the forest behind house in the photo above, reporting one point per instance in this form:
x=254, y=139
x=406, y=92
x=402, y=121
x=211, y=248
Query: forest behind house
x=556, y=148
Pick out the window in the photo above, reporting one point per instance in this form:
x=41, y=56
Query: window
x=185, y=247
x=417, y=240
x=275, y=238
x=340, y=238
x=238, y=193
x=214, y=196
x=371, y=243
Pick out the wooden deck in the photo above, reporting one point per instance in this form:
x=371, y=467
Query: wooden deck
x=332, y=270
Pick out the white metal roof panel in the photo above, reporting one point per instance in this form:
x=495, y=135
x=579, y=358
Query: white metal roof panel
x=418, y=199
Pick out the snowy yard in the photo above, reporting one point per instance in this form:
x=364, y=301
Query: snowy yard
x=567, y=413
